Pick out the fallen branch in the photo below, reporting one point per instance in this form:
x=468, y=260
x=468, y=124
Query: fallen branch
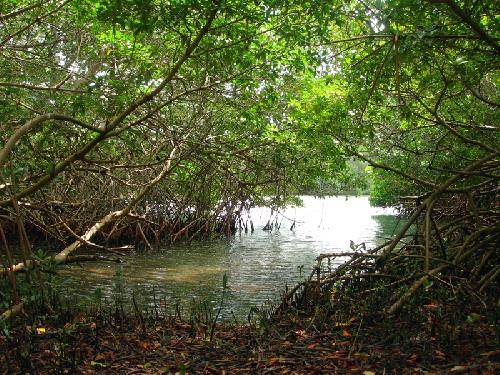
x=114, y=250
x=12, y=312
x=62, y=256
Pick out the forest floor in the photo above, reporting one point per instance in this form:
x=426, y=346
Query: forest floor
x=292, y=345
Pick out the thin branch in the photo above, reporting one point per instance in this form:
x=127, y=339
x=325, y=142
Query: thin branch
x=17, y=12
x=470, y=22
x=20, y=132
x=42, y=88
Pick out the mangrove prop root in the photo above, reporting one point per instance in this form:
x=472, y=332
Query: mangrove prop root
x=448, y=244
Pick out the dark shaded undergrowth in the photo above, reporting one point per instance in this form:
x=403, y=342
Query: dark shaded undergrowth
x=452, y=337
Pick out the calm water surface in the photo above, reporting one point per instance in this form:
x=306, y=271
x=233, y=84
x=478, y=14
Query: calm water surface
x=259, y=265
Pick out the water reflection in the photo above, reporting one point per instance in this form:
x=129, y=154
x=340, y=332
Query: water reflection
x=259, y=265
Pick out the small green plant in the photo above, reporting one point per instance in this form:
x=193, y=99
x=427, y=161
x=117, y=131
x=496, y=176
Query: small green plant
x=301, y=269
x=224, y=290
x=5, y=328
x=96, y=298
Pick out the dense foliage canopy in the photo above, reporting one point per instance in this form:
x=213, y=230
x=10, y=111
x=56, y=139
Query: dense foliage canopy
x=97, y=96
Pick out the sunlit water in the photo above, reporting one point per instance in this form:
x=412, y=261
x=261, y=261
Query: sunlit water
x=259, y=265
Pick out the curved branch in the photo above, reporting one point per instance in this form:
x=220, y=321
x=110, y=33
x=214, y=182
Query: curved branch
x=9, y=146
x=17, y=12
x=62, y=256
x=187, y=53
x=434, y=195
x=41, y=88
x=118, y=119
x=470, y=22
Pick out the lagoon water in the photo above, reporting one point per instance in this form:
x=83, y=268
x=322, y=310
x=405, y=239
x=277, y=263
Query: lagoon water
x=259, y=265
